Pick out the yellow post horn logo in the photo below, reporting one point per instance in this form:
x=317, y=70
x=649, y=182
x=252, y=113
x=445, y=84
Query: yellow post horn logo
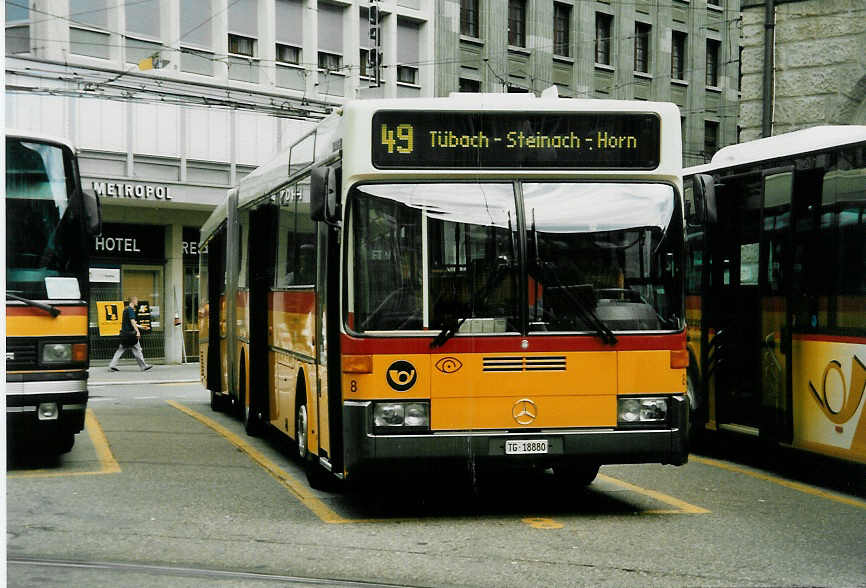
x=852, y=396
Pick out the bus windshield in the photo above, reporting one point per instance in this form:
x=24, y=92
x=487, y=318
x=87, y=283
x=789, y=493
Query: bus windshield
x=436, y=256
x=42, y=239
x=601, y=249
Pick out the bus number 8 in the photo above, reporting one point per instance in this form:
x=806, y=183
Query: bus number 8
x=404, y=136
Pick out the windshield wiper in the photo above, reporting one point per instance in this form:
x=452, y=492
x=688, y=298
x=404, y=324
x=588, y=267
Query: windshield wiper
x=52, y=310
x=453, y=323
x=587, y=314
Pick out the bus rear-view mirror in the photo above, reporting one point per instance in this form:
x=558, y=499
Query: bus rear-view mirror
x=92, y=213
x=701, y=204
x=323, y=195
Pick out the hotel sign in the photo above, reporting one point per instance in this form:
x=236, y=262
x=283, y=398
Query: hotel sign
x=131, y=190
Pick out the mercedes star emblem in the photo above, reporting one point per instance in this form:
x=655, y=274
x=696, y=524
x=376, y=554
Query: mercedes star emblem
x=524, y=411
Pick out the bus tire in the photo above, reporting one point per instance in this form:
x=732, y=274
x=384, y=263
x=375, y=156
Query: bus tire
x=696, y=424
x=317, y=477
x=575, y=474
x=217, y=402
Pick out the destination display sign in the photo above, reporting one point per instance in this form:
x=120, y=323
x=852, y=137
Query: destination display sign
x=502, y=140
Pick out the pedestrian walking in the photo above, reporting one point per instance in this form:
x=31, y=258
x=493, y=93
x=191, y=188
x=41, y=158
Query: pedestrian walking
x=130, y=338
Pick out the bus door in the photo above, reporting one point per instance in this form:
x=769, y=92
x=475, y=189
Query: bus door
x=734, y=305
x=750, y=351
x=216, y=290
x=261, y=279
x=328, y=372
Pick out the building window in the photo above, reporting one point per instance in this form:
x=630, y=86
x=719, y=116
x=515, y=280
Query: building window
x=364, y=63
x=469, y=18
x=288, y=54
x=142, y=18
x=712, y=63
x=603, y=25
x=406, y=74
x=92, y=40
x=561, y=27
x=17, y=37
x=330, y=61
x=711, y=139
x=467, y=85
x=715, y=2
x=239, y=45
x=641, y=47
x=678, y=55
x=517, y=23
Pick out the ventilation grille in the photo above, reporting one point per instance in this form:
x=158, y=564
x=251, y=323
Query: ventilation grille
x=21, y=353
x=552, y=363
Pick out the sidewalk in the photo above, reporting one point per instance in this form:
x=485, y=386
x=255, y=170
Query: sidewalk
x=130, y=374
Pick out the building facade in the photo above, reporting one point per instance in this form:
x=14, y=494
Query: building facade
x=817, y=69
x=172, y=102
x=682, y=51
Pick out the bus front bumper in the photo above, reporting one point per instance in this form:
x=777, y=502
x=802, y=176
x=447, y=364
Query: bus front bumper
x=39, y=407
x=666, y=445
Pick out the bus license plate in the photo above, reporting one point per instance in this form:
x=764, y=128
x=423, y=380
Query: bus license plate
x=525, y=446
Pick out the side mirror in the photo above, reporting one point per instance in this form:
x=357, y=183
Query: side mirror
x=92, y=208
x=700, y=196
x=323, y=195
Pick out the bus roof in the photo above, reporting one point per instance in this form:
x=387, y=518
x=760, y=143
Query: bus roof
x=36, y=136
x=214, y=221
x=784, y=145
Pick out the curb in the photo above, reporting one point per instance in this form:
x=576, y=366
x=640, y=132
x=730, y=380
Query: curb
x=137, y=382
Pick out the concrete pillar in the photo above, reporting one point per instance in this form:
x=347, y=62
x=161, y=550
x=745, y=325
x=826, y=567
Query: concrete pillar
x=583, y=50
x=267, y=44
x=220, y=29
x=539, y=40
x=623, y=47
x=494, y=27
x=172, y=304
x=447, y=39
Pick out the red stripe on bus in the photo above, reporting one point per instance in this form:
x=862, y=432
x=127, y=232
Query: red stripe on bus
x=829, y=338
x=554, y=343
x=79, y=310
x=292, y=301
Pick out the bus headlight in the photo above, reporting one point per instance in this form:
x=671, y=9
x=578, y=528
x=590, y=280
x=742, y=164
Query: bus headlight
x=401, y=414
x=57, y=353
x=635, y=411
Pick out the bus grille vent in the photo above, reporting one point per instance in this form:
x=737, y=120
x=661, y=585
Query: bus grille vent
x=552, y=363
x=21, y=353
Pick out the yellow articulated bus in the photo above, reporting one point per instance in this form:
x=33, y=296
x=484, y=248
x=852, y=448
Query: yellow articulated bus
x=776, y=284
x=50, y=223
x=479, y=279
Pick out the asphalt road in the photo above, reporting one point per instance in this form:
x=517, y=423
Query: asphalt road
x=160, y=491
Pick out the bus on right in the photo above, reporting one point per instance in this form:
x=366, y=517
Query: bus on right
x=776, y=291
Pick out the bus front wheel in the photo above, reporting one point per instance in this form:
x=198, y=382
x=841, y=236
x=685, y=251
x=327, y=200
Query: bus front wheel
x=317, y=477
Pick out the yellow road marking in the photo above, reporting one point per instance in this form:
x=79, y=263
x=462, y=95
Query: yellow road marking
x=800, y=487
x=108, y=465
x=300, y=490
x=682, y=507
x=541, y=523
